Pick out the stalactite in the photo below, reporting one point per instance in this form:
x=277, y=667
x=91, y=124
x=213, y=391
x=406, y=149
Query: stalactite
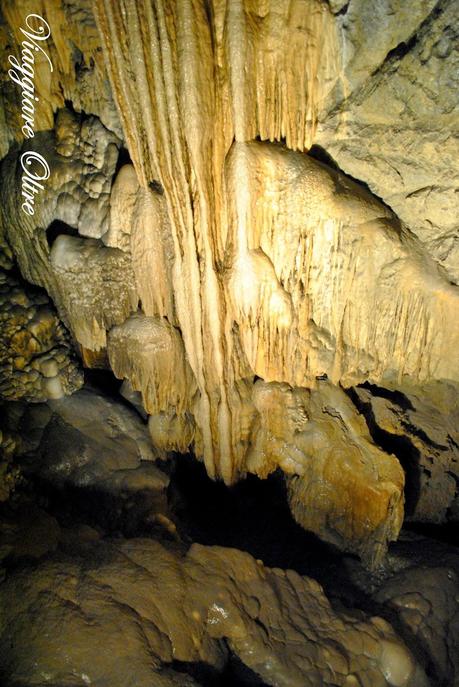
x=186, y=84
x=225, y=253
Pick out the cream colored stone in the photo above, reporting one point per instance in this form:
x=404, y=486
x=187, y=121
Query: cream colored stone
x=96, y=287
x=149, y=352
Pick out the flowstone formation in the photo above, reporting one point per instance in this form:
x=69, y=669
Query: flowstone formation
x=214, y=260
x=174, y=609
x=202, y=241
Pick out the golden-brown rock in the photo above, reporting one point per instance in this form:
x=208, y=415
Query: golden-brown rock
x=133, y=608
x=36, y=359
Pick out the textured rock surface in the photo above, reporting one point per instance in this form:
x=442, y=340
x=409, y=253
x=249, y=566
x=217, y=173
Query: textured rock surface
x=238, y=286
x=9, y=473
x=92, y=456
x=36, y=358
x=425, y=600
x=340, y=485
x=214, y=259
x=421, y=427
x=149, y=352
x=89, y=441
x=31, y=536
x=82, y=154
x=79, y=73
x=96, y=287
x=392, y=121
x=418, y=589
x=141, y=606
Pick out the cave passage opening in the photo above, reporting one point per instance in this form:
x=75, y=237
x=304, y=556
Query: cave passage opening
x=253, y=516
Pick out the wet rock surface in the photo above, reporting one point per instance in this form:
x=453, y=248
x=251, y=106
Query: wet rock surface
x=194, y=608
x=417, y=591
x=251, y=220
x=37, y=361
x=114, y=591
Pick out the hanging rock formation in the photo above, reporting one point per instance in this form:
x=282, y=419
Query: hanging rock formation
x=225, y=253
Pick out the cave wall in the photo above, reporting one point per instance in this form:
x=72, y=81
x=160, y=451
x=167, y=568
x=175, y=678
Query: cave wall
x=239, y=284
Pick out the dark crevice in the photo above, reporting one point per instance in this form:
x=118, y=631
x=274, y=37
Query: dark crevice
x=417, y=431
x=79, y=62
x=403, y=48
x=156, y=187
x=446, y=532
x=390, y=61
x=234, y=674
x=343, y=10
x=320, y=154
x=105, y=382
x=123, y=159
x=113, y=513
x=397, y=53
x=324, y=157
x=58, y=228
x=252, y=516
x=396, y=397
x=401, y=446
x=79, y=114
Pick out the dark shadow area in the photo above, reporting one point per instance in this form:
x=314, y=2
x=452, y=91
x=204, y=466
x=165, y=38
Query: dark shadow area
x=404, y=47
x=321, y=155
x=119, y=513
x=395, y=396
x=123, y=159
x=324, y=157
x=234, y=674
x=446, y=532
x=58, y=228
x=252, y=516
x=105, y=382
x=401, y=446
x=156, y=187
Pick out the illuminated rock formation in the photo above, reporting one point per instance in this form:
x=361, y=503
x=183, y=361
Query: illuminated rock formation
x=242, y=299
x=225, y=253
x=36, y=360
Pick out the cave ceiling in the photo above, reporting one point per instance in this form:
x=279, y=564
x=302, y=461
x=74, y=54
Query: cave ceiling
x=246, y=212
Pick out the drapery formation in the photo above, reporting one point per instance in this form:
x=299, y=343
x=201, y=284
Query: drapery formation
x=190, y=77
x=233, y=281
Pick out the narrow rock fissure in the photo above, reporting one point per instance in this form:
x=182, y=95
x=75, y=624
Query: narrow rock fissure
x=400, y=446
